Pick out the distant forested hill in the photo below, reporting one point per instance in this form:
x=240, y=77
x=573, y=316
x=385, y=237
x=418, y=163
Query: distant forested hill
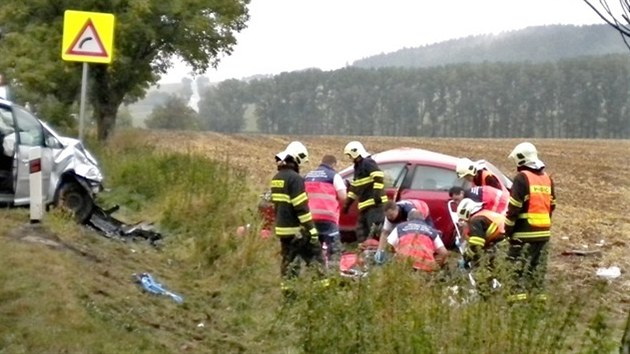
x=534, y=44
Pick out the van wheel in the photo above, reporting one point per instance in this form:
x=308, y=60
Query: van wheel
x=75, y=199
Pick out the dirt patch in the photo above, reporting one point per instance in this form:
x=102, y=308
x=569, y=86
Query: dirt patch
x=39, y=234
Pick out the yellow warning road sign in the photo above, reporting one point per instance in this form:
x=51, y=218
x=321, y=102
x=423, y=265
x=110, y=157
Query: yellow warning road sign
x=88, y=37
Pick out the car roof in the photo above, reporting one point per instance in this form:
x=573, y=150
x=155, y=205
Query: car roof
x=412, y=155
x=426, y=157
x=415, y=155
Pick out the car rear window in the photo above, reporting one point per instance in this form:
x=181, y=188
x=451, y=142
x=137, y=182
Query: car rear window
x=431, y=178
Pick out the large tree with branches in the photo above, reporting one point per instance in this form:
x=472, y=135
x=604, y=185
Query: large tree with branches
x=148, y=35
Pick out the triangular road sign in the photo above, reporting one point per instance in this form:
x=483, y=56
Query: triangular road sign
x=87, y=42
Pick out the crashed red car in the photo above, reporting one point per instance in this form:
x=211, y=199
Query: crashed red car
x=410, y=173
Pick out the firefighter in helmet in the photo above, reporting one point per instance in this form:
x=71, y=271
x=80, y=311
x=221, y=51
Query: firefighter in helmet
x=477, y=174
x=368, y=189
x=528, y=221
x=293, y=219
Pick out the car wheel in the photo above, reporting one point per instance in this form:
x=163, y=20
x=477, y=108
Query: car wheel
x=75, y=199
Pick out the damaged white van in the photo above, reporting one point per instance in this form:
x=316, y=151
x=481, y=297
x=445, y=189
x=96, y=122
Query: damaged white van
x=71, y=176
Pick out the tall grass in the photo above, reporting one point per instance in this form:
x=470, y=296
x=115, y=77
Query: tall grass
x=199, y=202
x=397, y=311
x=234, y=283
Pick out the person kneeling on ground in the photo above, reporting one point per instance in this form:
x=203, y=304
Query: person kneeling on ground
x=419, y=242
x=486, y=231
x=397, y=212
x=486, y=228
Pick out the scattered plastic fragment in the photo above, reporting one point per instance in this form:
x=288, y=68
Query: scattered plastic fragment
x=609, y=273
x=150, y=285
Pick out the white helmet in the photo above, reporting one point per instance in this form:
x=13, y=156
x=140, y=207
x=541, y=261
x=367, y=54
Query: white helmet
x=467, y=207
x=298, y=151
x=355, y=149
x=525, y=154
x=481, y=164
x=465, y=167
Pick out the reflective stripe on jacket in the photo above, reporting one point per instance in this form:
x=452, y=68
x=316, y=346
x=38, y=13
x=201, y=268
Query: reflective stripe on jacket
x=538, y=213
x=368, y=184
x=291, y=204
x=497, y=227
x=322, y=196
x=530, y=207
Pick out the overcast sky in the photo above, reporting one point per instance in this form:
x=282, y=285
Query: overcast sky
x=288, y=35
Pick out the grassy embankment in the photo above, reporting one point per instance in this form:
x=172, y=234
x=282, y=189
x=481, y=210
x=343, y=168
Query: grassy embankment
x=74, y=293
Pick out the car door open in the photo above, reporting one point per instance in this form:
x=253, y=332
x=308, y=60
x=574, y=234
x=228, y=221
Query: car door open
x=29, y=134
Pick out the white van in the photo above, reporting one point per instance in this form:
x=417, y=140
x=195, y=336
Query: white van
x=71, y=175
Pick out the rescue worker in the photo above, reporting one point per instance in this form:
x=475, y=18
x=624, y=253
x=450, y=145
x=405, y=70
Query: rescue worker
x=477, y=174
x=416, y=240
x=528, y=221
x=293, y=219
x=395, y=213
x=367, y=189
x=493, y=199
x=486, y=231
x=458, y=193
x=326, y=191
x=486, y=228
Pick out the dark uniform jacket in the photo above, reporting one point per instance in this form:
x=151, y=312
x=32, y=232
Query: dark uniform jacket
x=368, y=184
x=291, y=204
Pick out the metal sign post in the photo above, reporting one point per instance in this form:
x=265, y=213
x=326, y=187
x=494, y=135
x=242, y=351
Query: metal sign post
x=83, y=96
x=88, y=37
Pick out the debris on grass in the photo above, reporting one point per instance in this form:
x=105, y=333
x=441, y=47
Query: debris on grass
x=609, y=273
x=102, y=221
x=581, y=253
x=150, y=285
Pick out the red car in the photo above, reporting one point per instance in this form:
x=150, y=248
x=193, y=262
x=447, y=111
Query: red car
x=412, y=174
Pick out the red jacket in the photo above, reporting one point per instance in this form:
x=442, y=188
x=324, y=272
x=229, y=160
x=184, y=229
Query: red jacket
x=322, y=196
x=493, y=199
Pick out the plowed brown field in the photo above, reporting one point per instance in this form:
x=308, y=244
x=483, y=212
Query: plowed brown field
x=591, y=176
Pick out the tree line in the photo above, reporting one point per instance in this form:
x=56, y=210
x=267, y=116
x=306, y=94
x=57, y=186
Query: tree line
x=576, y=98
